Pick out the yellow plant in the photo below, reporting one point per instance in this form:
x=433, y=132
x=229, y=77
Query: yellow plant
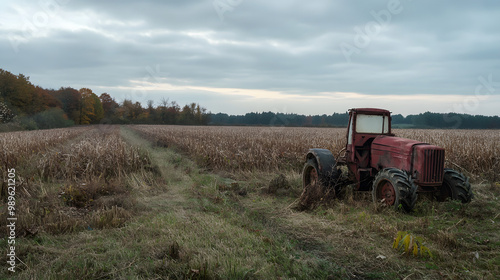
x=410, y=244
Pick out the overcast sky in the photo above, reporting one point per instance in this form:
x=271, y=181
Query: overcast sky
x=239, y=56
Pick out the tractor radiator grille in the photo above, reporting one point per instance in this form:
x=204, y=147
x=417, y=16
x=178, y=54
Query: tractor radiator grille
x=433, y=166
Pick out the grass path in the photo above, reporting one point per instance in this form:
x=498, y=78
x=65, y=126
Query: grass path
x=250, y=229
x=290, y=243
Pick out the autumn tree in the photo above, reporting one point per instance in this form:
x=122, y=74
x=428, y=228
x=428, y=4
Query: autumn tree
x=109, y=105
x=70, y=99
x=87, y=113
x=43, y=101
x=7, y=84
x=16, y=91
x=126, y=113
x=201, y=116
x=152, y=112
x=186, y=115
x=168, y=112
x=193, y=114
x=128, y=107
x=98, y=110
x=91, y=111
x=21, y=95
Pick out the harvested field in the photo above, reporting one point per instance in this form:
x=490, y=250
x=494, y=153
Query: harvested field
x=154, y=202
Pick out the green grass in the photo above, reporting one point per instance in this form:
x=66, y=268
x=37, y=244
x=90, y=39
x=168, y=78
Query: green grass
x=188, y=223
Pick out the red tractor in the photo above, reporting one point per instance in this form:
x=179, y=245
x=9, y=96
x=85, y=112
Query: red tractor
x=393, y=168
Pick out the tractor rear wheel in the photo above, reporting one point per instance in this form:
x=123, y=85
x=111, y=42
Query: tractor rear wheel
x=394, y=187
x=310, y=174
x=455, y=186
x=316, y=189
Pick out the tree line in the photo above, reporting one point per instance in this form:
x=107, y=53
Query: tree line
x=26, y=106
x=423, y=120
x=448, y=120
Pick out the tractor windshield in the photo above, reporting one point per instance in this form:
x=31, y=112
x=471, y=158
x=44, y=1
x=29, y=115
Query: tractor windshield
x=372, y=124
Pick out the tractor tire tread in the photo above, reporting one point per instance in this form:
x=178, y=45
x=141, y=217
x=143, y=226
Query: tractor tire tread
x=405, y=186
x=459, y=184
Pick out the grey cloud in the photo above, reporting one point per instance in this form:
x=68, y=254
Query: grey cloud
x=428, y=47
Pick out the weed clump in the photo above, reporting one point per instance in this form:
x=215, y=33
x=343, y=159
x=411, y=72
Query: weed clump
x=315, y=195
x=278, y=185
x=173, y=250
x=85, y=194
x=109, y=218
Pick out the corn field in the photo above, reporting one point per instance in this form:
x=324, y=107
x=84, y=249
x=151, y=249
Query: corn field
x=71, y=154
x=476, y=152
x=97, y=154
x=245, y=148
x=69, y=178
x=20, y=145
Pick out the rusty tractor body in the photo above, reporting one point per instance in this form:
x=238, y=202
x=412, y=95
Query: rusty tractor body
x=394, y=169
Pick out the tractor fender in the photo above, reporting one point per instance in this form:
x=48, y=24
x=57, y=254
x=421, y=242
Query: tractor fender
x=325, y=160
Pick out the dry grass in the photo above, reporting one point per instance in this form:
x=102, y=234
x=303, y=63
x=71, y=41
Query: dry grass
x=74, y=207
x=53, y=213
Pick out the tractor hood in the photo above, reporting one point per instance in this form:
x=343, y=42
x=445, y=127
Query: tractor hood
x=390, y=151
x=395, y=145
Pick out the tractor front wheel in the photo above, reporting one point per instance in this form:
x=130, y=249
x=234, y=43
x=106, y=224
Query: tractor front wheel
x=455, y=187
x=394, y=187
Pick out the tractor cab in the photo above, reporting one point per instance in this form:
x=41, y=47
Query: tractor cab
x=365, y=124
